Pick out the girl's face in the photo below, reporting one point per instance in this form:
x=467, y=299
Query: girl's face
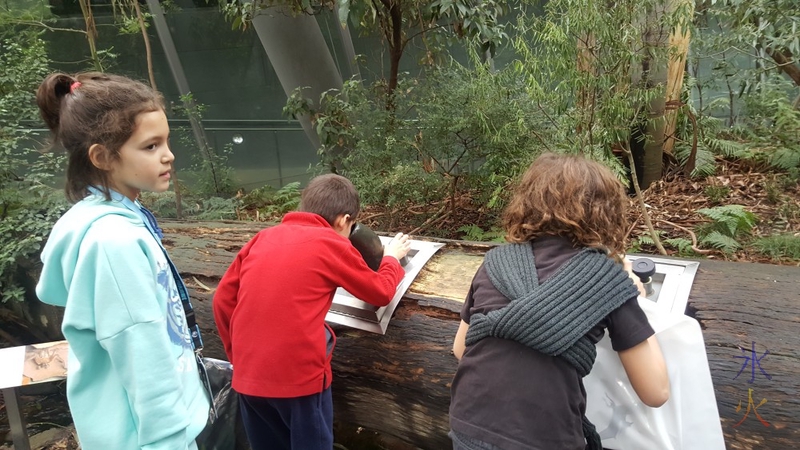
x=145, y=160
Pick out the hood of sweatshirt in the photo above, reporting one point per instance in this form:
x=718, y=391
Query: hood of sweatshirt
x=60, y=254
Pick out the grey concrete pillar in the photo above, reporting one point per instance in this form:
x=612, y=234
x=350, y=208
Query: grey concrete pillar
x=299, y=55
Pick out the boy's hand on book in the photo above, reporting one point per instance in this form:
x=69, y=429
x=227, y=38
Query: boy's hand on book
x=398, y=247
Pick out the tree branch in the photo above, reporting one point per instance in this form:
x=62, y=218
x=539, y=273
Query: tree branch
x=786, y=63
x=691, y=233
x=34, y=23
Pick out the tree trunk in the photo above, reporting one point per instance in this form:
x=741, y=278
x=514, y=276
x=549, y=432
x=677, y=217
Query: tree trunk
x=786, y=64
x=398, y=384
x=653, y=74
x=679, y=48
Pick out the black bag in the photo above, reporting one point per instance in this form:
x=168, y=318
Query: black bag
x=223, y=423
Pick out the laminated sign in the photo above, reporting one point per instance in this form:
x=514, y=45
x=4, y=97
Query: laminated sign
x=689, y=420
x=35, y=363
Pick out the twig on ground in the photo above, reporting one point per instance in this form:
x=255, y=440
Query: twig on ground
x=431, y=220
x=208, y=289
x=691, y=233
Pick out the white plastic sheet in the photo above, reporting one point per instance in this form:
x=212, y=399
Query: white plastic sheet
x=689, y=420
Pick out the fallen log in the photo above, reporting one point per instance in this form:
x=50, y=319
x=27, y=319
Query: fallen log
x=398, y=384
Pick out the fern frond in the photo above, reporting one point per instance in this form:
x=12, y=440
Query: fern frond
x=728, y=148
x=719, y=241
x=731, y=220
x=717, y=104
x=646, y=239
x=704, y=162
x=683, y=245
x=786, y=157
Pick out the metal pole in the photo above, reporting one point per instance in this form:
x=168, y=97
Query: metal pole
x=19, y=429
x=278, y=156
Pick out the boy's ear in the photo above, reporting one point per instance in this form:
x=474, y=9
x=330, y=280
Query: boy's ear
x=342, y=222
x=100, y=157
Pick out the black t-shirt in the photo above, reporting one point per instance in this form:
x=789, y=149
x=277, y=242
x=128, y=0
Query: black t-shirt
x=517, y=398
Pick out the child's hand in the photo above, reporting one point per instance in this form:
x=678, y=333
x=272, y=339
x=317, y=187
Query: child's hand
x=629, y=268
x=397, y=247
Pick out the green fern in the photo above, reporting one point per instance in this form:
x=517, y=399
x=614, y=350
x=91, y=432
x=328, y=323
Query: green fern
x=730, y=149
x=729, y=223
x=683, y=245
x=213, y=208
x=473, y=232
x=644, y=239
x=779, y=246
x=731, y=220
x=786, y=158
x=720, y=241
x=704, y=162
x=288, y=197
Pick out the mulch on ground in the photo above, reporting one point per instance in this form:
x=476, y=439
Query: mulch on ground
x=672, y=204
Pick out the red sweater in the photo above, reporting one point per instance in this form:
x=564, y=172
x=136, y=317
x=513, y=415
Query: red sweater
x=271, y=303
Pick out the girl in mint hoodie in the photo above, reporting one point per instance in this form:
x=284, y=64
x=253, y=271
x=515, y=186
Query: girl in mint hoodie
x=133, y=378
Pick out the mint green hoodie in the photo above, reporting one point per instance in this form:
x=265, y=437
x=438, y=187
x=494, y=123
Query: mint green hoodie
x=133, y=381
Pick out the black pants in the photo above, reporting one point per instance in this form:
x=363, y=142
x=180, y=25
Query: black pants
x=299, y=423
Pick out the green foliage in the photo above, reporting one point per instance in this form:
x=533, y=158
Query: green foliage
x=127, y=18
x=162, y=204
x=779, y=246
x=582, y=65
x=194, y=207
x=721, y=241
x=455, y=132
x=643, y=240
x=682, y=245
x=788, y=211
x=435, y=24
x=739, y=48
x=473, y=232
x=716, y=193
x=272, y=204
x=774, y=191
x=213, y=208
x=28, y=205
x=213, y=175
x=729, y=223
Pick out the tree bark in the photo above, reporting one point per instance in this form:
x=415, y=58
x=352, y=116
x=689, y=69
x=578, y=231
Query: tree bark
x=679, y=47
x=398, y=384
x=654, y=73
x=786, y=64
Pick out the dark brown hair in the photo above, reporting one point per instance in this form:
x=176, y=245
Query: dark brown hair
x=92, y=108
x=329, y=196
x=570, y=196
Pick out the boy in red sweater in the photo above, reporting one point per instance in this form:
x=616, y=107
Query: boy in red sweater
x=270, y=309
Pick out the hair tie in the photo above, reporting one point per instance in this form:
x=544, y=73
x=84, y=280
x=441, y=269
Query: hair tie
x=73, y=86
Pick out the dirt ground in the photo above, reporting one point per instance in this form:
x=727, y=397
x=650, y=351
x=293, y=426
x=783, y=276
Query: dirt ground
x=672, y=204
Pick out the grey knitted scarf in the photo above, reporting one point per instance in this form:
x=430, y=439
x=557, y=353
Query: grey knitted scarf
x=553, y=317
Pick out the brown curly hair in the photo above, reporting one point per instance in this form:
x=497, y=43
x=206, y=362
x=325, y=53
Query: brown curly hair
x=569, y=196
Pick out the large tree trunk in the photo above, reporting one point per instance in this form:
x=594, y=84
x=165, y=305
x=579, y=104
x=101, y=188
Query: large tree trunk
x=399, y=384
x=679, y=46
x=647, y=142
